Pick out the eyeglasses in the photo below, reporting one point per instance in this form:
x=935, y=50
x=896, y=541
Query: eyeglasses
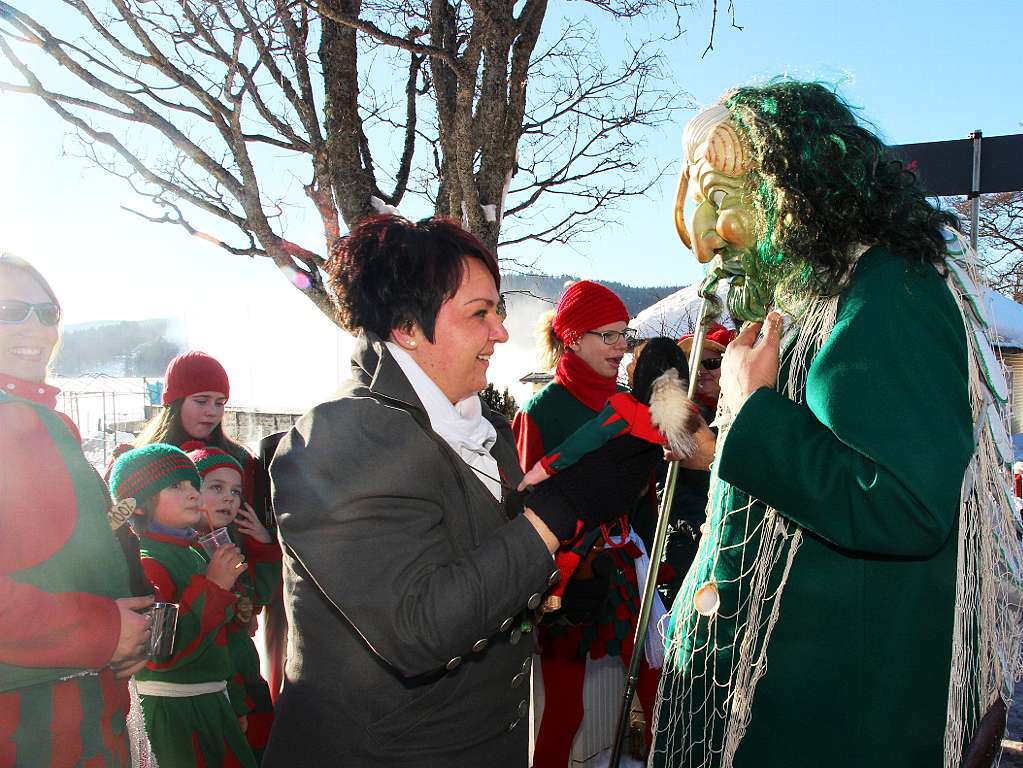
x=14, y=311
x=611, y=337
x=711, y=364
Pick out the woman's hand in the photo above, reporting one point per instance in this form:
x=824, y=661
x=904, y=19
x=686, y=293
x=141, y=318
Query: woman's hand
x=535, y=476
x=706, y=443
x=225, y=566
x=749, y=365
x=549, y=539
x=132, y=650
x=249, y=524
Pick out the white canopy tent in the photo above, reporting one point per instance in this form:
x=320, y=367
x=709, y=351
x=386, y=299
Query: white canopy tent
x=675, y=315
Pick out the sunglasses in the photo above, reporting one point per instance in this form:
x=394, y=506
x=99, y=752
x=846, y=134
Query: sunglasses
x=711, y=364
x=14, y=311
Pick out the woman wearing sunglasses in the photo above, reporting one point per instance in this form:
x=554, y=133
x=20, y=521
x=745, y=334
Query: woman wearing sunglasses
x=689, y=504
x=708, y=384
x=70, y=631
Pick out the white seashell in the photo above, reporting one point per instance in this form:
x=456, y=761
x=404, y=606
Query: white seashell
x=707, y=600
x=118, y=514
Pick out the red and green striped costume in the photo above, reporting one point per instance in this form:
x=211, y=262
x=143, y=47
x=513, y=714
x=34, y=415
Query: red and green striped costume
x=200, y=730
x=545, y=422
x=622, y=415
x=60, y=571
x=259, y=584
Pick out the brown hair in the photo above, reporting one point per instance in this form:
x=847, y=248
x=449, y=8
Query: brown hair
x=166, y=427
x=392, y=273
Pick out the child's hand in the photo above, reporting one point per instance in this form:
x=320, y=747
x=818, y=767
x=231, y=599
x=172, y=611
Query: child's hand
x=225, y=566
x=249, y=524
x=243, y=722
x=535, y=476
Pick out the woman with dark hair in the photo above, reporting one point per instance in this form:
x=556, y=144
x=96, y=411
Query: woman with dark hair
x=70, y=631
x=411, y=564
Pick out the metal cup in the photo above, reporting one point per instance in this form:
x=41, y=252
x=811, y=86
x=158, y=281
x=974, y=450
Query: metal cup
x=214, y=540
x=164, y=623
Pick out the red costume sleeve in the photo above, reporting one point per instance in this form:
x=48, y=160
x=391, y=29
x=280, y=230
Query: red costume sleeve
x=528, y=440
x=263, y=563
x=203, y=610
x=249, y=480
x=37, y=515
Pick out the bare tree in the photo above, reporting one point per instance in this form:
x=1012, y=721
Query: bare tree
x=211, y=110
x=999, y=239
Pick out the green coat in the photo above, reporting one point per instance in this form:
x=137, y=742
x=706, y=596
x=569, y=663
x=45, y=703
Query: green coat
x=871, y=468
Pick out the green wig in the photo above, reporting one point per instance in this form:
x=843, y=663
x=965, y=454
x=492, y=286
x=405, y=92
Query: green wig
x=822, y=184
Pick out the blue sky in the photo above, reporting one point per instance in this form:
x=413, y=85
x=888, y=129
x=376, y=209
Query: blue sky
x=921, y=71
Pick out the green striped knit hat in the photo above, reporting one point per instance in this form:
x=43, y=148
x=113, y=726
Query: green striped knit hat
x=141, y=473
x=208, y=458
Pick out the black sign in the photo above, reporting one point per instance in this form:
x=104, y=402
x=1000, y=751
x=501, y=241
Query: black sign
x=946, y=167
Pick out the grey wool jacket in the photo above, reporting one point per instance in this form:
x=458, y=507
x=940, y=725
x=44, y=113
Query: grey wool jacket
x=406, y=584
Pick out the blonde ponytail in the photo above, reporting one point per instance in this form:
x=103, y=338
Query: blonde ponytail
x=550, y=347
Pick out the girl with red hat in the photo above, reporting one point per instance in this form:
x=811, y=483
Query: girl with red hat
x=220, y=500
x=196, y=390
x=584, y=339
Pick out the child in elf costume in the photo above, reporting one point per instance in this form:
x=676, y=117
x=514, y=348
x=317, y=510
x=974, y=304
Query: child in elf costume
x=189, y=719
x=220, y=500
x=657, y=413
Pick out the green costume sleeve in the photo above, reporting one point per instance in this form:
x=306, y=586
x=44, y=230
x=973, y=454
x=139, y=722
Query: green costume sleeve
x=605, y=426
x=236, y=693
x=874, y=461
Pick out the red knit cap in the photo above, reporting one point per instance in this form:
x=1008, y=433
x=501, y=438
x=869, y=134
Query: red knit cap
x=192, y=372
x=584, y=306
x=718, y=337
x=208, y=458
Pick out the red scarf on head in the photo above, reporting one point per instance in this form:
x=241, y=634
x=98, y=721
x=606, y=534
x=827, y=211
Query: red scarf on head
x=585, y=384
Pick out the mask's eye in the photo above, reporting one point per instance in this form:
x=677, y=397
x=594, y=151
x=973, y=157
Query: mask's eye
x=717, y=197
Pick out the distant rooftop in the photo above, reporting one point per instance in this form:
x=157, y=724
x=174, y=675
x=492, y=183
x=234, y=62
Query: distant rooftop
x=536, y=377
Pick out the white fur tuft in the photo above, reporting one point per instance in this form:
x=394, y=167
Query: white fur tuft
x=673, y=413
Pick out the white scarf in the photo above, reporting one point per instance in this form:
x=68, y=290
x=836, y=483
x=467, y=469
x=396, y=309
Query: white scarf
x=462, y=425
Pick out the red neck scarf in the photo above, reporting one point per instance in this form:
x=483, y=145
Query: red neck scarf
x=707, y=400
x=585, y=384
